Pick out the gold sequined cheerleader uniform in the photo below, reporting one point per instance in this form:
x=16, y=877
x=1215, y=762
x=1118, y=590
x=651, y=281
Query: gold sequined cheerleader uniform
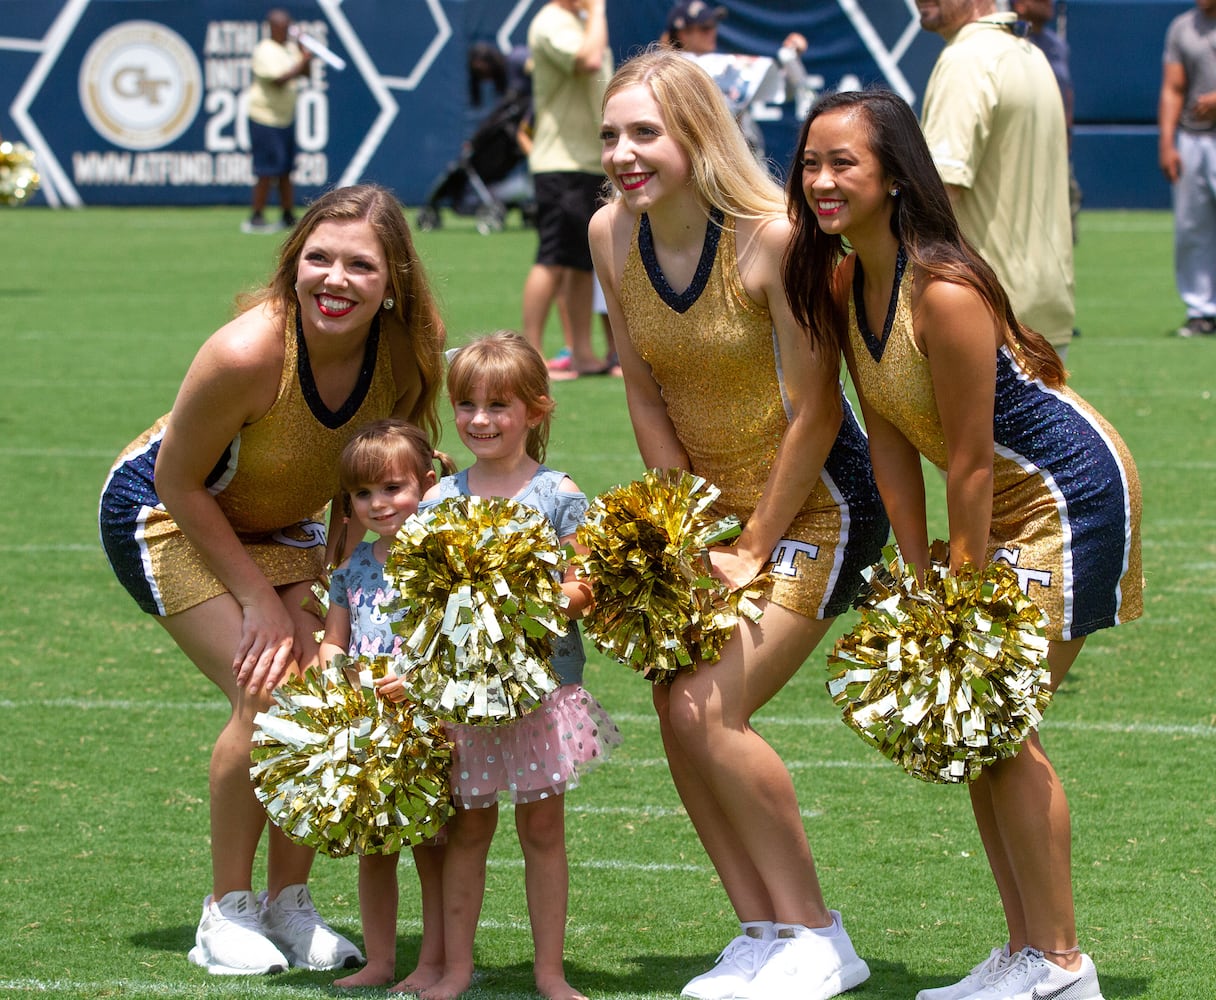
x=272, y=483
x=714, y=352
x=1066, y=497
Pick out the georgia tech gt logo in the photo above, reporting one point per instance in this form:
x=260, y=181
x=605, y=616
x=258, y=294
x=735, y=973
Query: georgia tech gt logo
x=785, y=554
x=140, y=85
x=1026, y=576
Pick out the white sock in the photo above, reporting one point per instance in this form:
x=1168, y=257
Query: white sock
x=763, y=930
x=797, y=930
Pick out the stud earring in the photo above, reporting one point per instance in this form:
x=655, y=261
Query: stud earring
x=894, y=191
x=389, y=303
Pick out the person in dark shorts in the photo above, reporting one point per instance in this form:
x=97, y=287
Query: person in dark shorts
x=571, y=64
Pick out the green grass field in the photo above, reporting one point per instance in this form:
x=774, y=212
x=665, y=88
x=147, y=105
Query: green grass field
x=107, y=728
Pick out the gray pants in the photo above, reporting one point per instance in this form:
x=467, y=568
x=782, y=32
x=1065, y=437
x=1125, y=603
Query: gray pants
x=1195, y=223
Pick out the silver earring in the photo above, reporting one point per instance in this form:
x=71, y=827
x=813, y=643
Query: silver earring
x=894, y=191
x=389, y=303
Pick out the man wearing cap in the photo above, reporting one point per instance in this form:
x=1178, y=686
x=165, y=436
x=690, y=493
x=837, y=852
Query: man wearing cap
x=994, y=122
x=692, y=26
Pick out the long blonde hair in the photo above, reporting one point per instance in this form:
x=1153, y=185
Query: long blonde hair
x=724, y=171
x=504, y=364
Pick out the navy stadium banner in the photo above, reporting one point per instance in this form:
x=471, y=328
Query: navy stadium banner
x=140, y=101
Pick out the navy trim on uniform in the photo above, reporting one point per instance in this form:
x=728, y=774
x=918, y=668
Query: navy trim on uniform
x=681, y=302
x=334, y=419
x=1087, y=480
x=128, y=494
x=864, y=527
x=876, y=345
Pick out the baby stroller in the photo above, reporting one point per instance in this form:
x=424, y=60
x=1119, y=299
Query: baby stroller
x=490, y=178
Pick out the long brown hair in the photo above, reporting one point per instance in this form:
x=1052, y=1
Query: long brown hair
x=414, y=315
x=923, y=221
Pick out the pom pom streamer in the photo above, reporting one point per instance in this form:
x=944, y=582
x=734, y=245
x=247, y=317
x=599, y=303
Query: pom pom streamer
x=347, y=772
x=480, y=600
x=318, y=604
x=658, y=608
x=946, y=676
x=18, y=173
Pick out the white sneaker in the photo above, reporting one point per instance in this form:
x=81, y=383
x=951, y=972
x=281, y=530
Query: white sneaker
x=806, y=964
x=1029, y=976
x=976, y=979
x=732, y=970
x=229, y=940
x=292, y=922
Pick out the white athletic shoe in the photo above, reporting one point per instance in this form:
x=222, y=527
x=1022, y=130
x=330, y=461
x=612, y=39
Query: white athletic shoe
x=1029, y=976
x=806, y=964
x=292, y=922
x=975, y=979
x=229, y=940
x=733, y=969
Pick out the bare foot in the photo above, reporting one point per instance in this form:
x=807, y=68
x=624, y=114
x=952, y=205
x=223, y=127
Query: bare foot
x=555, y=987
x=449, y=987
x=369, y=975
x=420, y=979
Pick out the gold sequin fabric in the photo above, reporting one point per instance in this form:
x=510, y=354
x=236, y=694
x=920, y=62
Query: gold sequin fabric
x=713, y=351
x=1066, y=495
x=272, y=483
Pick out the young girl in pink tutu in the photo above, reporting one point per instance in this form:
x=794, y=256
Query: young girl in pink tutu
x=499, y=388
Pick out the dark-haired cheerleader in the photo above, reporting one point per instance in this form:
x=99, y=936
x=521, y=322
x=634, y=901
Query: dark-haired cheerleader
x=1034, y=476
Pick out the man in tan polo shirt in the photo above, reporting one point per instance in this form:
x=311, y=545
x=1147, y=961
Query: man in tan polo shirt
x=994, y=122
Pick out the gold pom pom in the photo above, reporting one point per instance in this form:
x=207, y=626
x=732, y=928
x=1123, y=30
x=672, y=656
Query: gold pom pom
x=318, y=603
x=479, y=602
x=946, y=676
x=347, y=772
x=18, y=173
x=658, y=607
